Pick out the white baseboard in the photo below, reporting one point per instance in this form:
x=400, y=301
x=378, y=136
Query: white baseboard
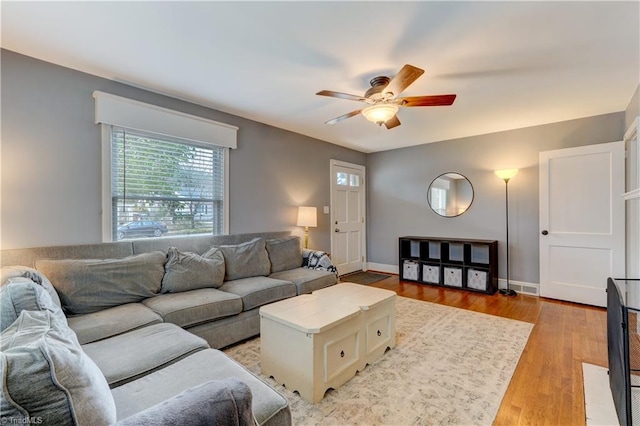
x=519, y=286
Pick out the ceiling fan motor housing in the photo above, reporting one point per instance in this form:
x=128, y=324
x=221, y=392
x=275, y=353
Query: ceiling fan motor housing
x=377, y=86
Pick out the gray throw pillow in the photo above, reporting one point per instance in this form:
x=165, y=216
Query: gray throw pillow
x=91, y=285
x=46, y=376
x=9, y=272
x=284, y=253
x=245, y=260
x=217, y=402
x=186, y=271
x=21, y=294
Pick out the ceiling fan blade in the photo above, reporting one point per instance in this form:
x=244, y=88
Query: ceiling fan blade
x=435, y=100
x=343, y=117
x=340, y=95
x=407, y=75
x=392, y=122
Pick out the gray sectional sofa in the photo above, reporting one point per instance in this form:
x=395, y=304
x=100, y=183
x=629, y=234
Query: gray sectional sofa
x=127, y=304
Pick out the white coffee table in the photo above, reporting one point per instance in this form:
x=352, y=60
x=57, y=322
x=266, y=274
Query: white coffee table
x=317, y=341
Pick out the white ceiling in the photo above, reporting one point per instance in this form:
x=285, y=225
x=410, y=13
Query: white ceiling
x=512, y=64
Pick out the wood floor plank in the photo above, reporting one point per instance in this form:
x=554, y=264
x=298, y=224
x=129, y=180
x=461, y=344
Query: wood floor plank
x=546, y=387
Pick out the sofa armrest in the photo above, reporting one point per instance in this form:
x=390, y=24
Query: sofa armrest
x=316, y=259
x=225, y=402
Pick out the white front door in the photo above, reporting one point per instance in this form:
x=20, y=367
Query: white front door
x=347, y=216
x=581, y=222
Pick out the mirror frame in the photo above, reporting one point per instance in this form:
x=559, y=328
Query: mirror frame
x=473, y=194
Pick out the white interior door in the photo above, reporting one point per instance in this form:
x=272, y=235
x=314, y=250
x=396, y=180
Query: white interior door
x=347, y=216
x=581, y=221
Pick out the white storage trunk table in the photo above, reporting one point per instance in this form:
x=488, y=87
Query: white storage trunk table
x=317, y=341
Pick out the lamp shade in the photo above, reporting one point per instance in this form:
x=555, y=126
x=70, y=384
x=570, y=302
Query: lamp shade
x=307, y=216
x=380, y=113
x=506, y=174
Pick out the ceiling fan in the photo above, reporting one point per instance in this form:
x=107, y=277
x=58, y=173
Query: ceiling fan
x=383, y=101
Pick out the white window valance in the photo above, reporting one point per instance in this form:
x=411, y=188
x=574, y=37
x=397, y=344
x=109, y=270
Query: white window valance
x=119, y=111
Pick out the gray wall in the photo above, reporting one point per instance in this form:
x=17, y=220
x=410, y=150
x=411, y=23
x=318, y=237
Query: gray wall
x=50, y=165
x=398, y=182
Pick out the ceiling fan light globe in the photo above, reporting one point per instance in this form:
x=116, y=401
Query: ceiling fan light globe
x=380, y=113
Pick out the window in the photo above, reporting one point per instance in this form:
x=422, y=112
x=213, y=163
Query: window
x=347, y=179
x=169, y=176
x=161, y=186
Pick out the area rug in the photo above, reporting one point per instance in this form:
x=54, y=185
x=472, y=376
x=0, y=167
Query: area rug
x=449, y=366
x=363, y=277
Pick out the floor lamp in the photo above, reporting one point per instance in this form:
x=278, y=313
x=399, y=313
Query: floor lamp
x=506, y=175
x=307, y=216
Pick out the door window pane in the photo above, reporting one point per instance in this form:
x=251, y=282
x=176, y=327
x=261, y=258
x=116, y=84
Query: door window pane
x=341, y=178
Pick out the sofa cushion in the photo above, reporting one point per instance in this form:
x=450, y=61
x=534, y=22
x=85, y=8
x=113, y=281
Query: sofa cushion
x=47, y=376
x=186, y=271
x=284, y=253
x=210, y=364
x=127, y=356
x=216, y=402
x=307, y=280
x=195, y=307
x=9, y=272
x=22, y=294
x=90, y=285
x=112, y=321
x=244, y=260
x=258, y=291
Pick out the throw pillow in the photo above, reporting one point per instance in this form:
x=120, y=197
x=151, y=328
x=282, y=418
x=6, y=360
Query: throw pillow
x=216, y=402
x=91, y=285
x=9, y=272
x=246, y=260
x=48, y=378
x=319, y=260
x=186, y=271
x=284, y=253
x=21, y=294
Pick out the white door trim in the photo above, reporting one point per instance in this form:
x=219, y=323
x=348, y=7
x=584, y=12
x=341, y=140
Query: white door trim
x=363, y=201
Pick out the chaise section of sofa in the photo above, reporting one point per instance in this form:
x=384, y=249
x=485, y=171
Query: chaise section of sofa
x=269, y=407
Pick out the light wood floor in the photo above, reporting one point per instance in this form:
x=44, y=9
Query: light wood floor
x=547, y=387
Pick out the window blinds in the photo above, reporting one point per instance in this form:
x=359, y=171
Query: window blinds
x=167, y=181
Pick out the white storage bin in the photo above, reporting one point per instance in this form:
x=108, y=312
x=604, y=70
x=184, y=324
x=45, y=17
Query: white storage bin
x=477, y=279
x=453, y=277
x=410, y=270
x=431, y=274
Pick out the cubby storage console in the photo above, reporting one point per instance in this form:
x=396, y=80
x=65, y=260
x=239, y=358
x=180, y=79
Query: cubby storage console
x=450, y=262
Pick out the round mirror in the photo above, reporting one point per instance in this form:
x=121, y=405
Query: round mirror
x=450, y=194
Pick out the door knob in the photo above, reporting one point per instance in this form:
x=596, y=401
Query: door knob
x=337, y=230
x=545, y=232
